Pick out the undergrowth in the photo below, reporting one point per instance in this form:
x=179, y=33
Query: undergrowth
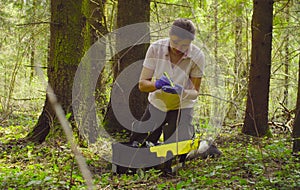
x=246, y=163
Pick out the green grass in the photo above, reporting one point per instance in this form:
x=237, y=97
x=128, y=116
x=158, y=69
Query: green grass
x=246, y=163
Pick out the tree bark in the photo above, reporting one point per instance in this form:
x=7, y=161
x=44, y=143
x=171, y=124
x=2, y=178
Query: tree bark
x=65, y=53
x=296, y=133
x=296, y=127
x=129, y=12
x=286, y=62
x=88, y=87
x=256, y=117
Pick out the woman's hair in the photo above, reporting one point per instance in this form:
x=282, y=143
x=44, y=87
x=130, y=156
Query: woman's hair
x=183, y=28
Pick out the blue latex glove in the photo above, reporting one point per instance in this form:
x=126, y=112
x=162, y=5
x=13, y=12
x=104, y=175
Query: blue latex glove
x=163, y=81
x=177, y=89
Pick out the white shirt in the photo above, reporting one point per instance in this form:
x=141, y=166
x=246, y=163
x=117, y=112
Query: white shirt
x=158, y=60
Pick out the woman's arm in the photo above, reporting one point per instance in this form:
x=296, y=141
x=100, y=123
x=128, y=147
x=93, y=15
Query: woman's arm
x=193, y=92
x=146, y=84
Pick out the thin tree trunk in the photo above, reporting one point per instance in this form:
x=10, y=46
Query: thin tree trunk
x=238, y=63
x=216, y=53
x=286, y=62
x=296, y=133
x=296, y=128
x=32, y=42
x=216, y=29
x=298, y=94
x=98, y=30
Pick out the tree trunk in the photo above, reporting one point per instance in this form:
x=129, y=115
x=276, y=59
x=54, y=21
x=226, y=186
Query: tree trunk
x=66, y=50
x=45, y=121
x=98, y=30
x=286, y=62
x=256, y=117
x=129, y=12
x=33, y=43
x=296, y=133
x=216, y=31
x=296, y=127
x=88, y=81
x=298, y=93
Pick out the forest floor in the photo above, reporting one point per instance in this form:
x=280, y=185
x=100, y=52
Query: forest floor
x=246, y=163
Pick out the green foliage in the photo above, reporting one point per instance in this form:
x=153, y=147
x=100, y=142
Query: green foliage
x=23, y=44
x=246, y=163
x=25, y=165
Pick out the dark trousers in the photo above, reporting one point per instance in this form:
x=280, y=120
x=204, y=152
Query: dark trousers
x=176, y=125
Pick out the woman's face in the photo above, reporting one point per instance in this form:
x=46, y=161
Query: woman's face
x=178, y=45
